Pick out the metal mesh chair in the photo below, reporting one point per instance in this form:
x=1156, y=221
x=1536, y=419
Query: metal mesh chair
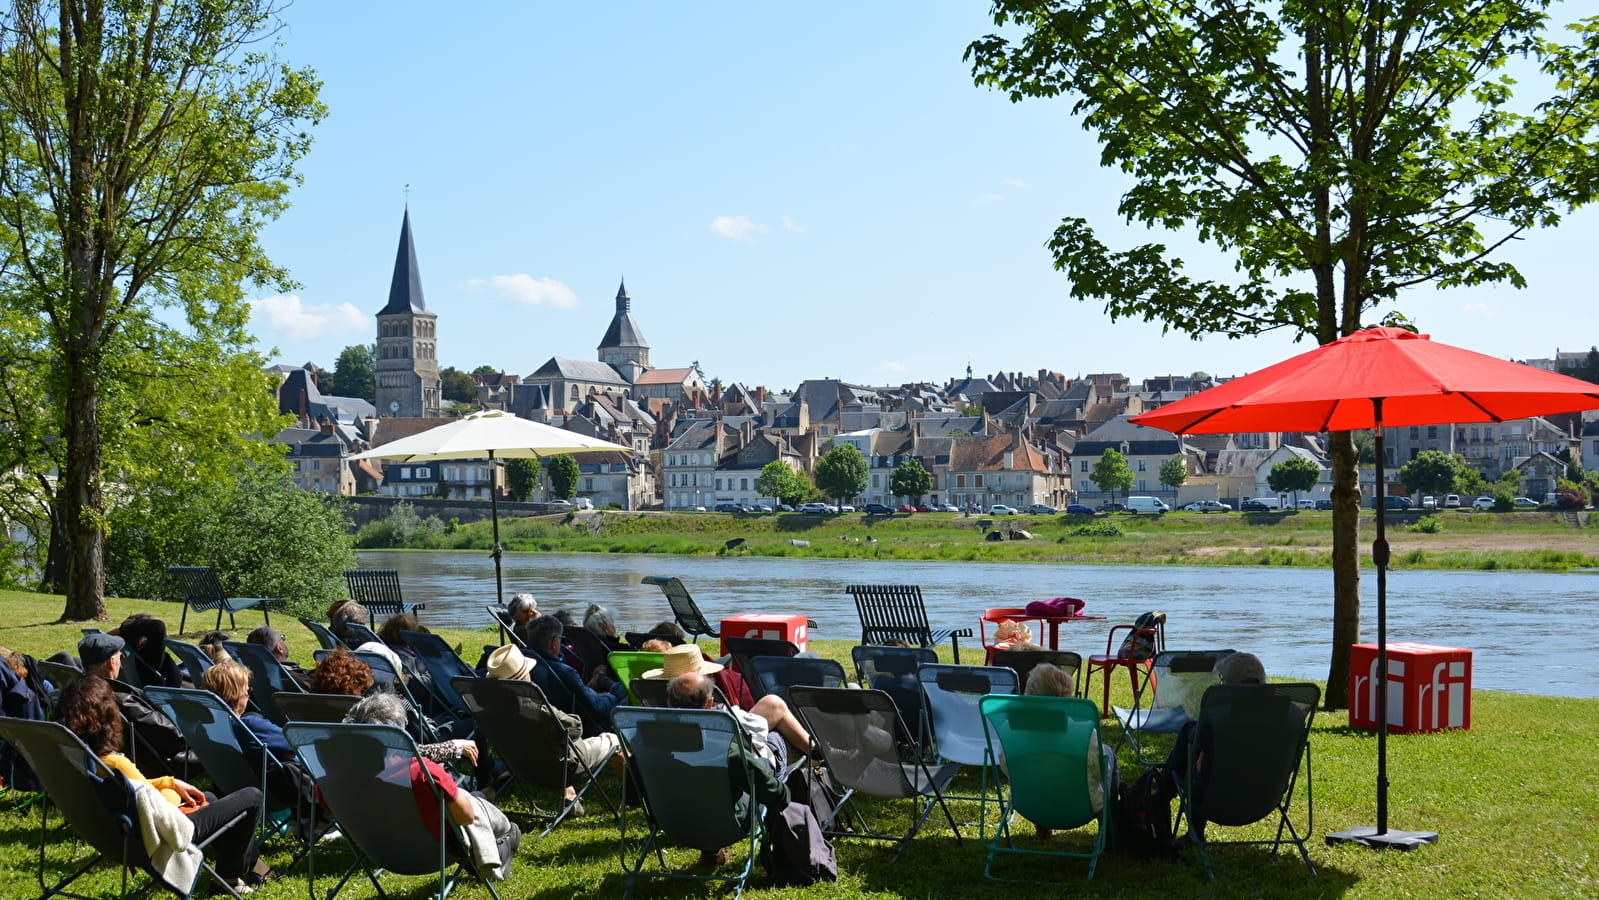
x=630, y=664
x=195, y=661
x=952, y=693
x=267, y=676
x=1022, y=662
x=892, y=670
x=684, y=610
x=777, y=674
x=379, y=591
x=309, y=707
x=1169, y=698
x=896, y=611
x=202, y=592
x=325, y=638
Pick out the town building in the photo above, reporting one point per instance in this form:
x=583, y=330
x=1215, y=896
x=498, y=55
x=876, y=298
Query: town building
x=407, y=365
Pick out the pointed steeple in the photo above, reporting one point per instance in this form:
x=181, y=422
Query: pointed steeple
x=623, y=340
x=405, y=290
x=624, y=303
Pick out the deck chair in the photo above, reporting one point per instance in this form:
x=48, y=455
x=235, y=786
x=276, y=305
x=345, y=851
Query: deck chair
x=637, y=638
x=519, y=723
x=892, y=670
x=202, y=592
x=356, y=634
x=1253, y=738
x=443, y=665
x=688, y=615
x=325, y=638
x=195, y=661
x=362, y=773
x=588, y=647
x=1022, y=662
x=1169, y=698
x=379, y=591
x=502, y=621
x=138, y=747
x=776, y=674
x=742, y=650
x=951, y=694
x=267, y=676
x=1046, y=744
x=630, y=664
x=681, y=759
x=860, y=735
x=216, y=737
x=650, y=692
x=308, y=707
x=97, y=802
x=890, y=611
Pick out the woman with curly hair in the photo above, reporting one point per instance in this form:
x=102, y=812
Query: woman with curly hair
x=89, y=709
x=342, y=672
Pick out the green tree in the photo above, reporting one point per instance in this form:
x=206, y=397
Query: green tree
x=1293, y=475
x=355, y=373
x=1431, y=472
x=1111, y=473
x=910, y=480
x=142, y=148
x=1470, y=481
x=1174, y=472
x=486, y=370
x=1338, y=152
x=563, y=477
x=521, y=477
x=457, y=385
x=779, y=479
x=841, y=472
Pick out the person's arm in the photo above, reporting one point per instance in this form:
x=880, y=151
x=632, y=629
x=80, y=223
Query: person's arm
x=457, y=801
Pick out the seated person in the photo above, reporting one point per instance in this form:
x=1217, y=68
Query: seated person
x=146, y=638
x=510, y=663
x=522, y=609
x=769, y=714
x=389, y=634
x=352, y=613
x=470, y=811
x=599, y=622
x=1049, y=680
x=273, y=640
x=592, y=701
x=342, y=672
x=760, y=752
x=1236, y=668
x=88, y=708
x=287, y=783
x=101, y=654
x=211, y=642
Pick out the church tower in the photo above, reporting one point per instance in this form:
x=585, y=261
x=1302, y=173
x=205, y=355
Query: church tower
x=623, y=348
x=407, y=352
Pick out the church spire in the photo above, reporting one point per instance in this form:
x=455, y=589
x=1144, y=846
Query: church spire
x=405, y=289
x=624, y=303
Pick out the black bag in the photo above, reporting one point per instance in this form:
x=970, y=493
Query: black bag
x=1142, y=817
x=1137, y=645
x=810, y=785
x=794, y=850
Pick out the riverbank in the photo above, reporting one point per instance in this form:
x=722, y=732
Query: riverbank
x=1445, y=539
x=1502, y=796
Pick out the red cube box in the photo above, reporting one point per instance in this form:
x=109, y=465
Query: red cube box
x=770, y=626
x=1429, y=687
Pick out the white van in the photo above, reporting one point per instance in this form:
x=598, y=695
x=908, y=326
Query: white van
x=1151, y=505
x=583, y=503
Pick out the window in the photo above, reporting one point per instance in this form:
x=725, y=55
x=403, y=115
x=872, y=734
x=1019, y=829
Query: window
x=1432, y=432
x=1415, y=432
x=316, y=464
x=977, y=481
x=960, y=481
x=743, y=484
x=1143, y=466
x=1082, y=466
x=424, y=473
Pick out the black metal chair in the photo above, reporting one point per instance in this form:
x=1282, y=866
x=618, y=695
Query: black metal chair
x=742, y=650
x=309, y=707
x=202, y=592
x=1022, y=662
x=896, y=611
x=684, y=610
x=776, y=674
x=379, y=591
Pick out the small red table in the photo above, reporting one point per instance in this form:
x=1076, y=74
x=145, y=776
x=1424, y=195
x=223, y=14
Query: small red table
x=1000, y=614
x=769, y=626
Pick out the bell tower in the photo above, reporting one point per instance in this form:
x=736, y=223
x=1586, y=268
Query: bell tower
x=407, y=367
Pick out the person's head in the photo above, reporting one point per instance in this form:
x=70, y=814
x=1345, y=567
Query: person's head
x=14, y=662
x=1050, y=680
x=522, y=608
x=347, y=613
x=896, y=642
x=342, y=672
x=1241, y=668
x=681, y=660
x=599, y=620
x=1026, y=645
x=270, y=638
x=564, y=617
x=88, y=708
x=211, y=642
x=145, y=635
x=230, y=681
x=101, y=654
x=389, y=634
x=670, y=629
x=378, y=708
x=656, y=645
x=544, y=635
x=510, y=663
x=690, y=690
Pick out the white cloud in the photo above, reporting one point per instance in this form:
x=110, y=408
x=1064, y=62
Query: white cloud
x=286, y=316
x=1016, y=182
x=892, y=365
x=791, y=225
x=524, y=288
x=738, y=228
x=1478, y=309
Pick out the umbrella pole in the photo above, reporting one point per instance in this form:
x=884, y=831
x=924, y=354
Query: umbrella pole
x=1381, y=836
x=494, y=514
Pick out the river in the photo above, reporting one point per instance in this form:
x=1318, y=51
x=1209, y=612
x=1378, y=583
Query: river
x=1524, y=628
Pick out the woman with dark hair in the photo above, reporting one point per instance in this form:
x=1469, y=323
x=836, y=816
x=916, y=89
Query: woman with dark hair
x=88, y=708
x=342, y=672
x=146, y=637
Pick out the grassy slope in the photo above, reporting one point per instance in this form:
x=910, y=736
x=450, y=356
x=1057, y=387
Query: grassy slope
x=1516, y=800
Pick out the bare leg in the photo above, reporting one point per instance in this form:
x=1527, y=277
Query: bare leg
x=781, y=720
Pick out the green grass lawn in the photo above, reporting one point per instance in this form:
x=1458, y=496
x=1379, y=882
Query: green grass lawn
x=1516, y=800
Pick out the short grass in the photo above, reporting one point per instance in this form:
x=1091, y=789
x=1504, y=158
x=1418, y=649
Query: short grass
x=1516, y=800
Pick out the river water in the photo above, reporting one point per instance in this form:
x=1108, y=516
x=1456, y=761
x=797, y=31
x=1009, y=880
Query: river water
x=1524, y=628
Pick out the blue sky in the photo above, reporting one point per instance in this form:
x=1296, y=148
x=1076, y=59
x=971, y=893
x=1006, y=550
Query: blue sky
x=791, y=191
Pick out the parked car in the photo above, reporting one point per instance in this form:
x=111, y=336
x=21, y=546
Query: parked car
x=559, y=504
x=1324, y=503
x=1396, y=501
x=843, y=508
x=762, y=507
x=1452, y=501
x=1078, y=509
x=1041, y=509
x=949, y=507
x=1524, y=503
x=784, y=507
x=1259, y=504
x=1483, y=503
x=815, y=508
x=1000, y=509
x=729, y=507
x=907, y=508
x=1110, y=506
x=1429, y=502
x=1208, y=506
x=879, y=509
x=1305, y=504
x=928, y=508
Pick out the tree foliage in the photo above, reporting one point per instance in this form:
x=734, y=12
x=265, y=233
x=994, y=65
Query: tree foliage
x=457, y=385
x=841, y=472
x=779, y=479
x=1293, y=475
x=1432, y=472
x=1111, y=472
x=563, y=476
x=143, y=145
x=910, y=480
x=521, y=477
x=1174, y=472
x=1337, y=153
x=355, y=373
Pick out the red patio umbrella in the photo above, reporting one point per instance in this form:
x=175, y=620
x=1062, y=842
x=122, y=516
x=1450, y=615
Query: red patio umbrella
x=1371, y=379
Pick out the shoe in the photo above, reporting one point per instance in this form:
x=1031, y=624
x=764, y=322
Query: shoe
x=578, y=811
x=240, y=888
x=1044, y=834
x=332, y=834
x=261, y=874
x=712, y=859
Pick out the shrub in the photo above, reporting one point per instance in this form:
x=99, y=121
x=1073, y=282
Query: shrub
x=1098, y=529
x=402, y=527
x=1428, y=525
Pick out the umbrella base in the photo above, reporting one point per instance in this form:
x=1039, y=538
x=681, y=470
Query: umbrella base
x=1391, y=839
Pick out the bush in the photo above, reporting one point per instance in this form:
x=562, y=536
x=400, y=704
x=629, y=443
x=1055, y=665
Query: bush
x=401, y=528
x=1098, y=529
x=1428, y=525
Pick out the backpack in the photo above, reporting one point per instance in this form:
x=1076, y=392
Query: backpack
x=1139, y=644
x=1142, y=817
x=812, y=786
x=794, y=850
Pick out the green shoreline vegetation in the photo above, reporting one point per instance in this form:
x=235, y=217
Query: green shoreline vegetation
x=1447, y=539
x=1510, y=798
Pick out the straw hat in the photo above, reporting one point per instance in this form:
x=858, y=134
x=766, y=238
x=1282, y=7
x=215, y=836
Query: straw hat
x=681, y=660
x=508, y=663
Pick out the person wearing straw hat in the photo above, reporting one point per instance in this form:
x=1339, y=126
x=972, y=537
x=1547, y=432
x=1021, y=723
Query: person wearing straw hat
x=769, y=716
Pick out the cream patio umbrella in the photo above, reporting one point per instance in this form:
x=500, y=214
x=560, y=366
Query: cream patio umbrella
x=493, y=435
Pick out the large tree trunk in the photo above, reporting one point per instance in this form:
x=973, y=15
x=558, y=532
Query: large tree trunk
x=1346, y=565
x=55, y=554
x=83, y=514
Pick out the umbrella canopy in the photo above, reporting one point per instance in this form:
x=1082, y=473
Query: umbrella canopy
x=1330, y=388
x=489, y=434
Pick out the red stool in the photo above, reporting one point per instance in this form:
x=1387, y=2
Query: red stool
x=1133, y=664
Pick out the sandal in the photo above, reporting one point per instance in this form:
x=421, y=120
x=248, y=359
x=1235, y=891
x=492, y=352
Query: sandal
x=240, y=888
